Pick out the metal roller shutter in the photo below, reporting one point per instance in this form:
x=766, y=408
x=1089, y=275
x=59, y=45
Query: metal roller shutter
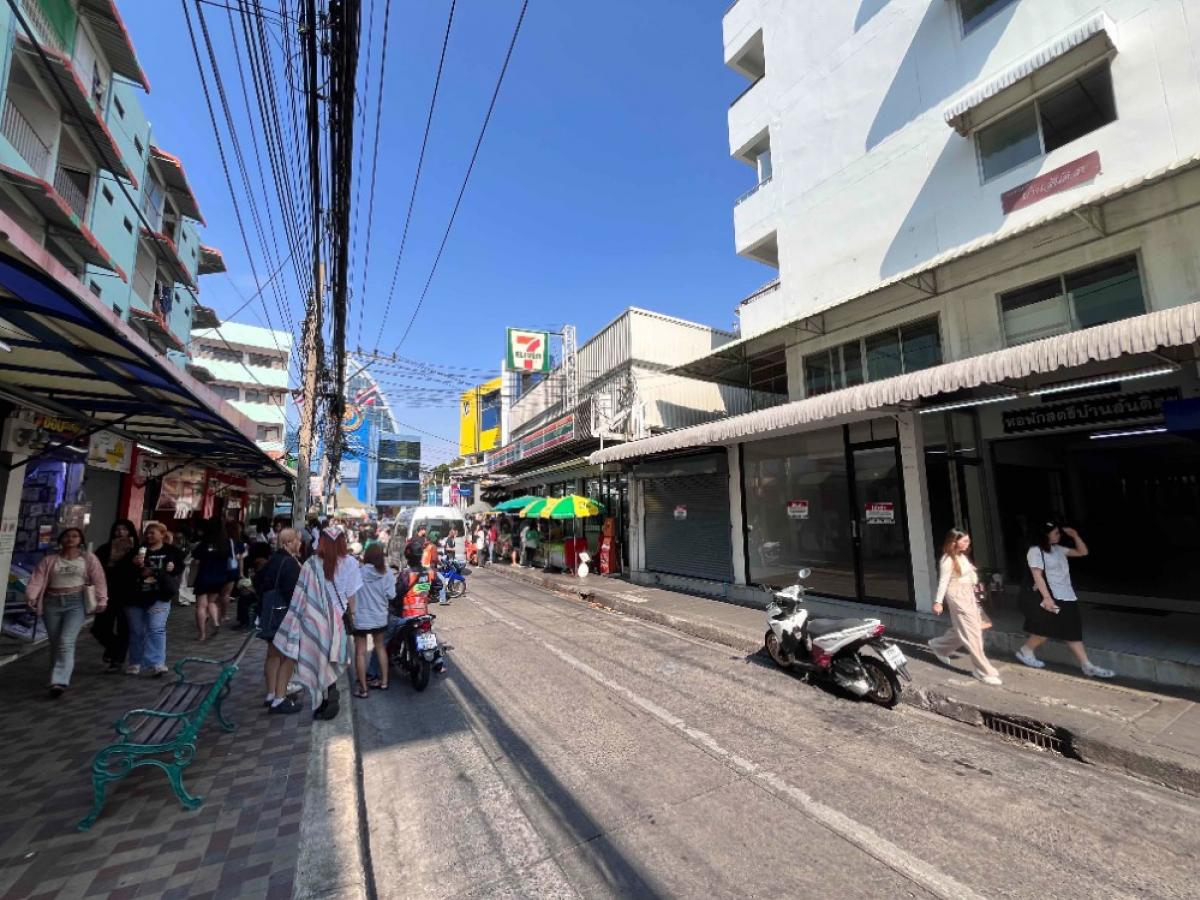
x=699, y=545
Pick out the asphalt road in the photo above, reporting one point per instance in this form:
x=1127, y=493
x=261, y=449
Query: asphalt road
x=573, y=752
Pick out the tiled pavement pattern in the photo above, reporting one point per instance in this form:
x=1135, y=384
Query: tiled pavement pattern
x=243, y=842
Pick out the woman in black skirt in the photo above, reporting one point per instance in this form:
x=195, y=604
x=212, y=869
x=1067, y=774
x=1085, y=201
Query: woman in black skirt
x=1056, y=616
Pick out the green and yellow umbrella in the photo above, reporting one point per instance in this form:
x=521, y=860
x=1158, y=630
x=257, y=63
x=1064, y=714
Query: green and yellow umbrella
x=515, y=503
x=570, y=507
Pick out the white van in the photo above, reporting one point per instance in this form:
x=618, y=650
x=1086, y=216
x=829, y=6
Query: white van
x=438, y=520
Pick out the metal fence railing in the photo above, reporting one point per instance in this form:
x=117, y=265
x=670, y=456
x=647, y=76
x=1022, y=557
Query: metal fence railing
x=24, y=139
x=75, y=196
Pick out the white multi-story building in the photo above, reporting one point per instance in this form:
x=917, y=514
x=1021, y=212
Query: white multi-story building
x=983, y=218
x=249, y=368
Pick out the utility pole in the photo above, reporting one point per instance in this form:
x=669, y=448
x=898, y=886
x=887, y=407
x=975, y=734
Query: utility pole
x=310, y=395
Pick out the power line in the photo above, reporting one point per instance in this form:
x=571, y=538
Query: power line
x=467, y=177
x=417, y=178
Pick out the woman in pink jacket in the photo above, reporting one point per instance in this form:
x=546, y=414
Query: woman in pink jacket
x=56, y=592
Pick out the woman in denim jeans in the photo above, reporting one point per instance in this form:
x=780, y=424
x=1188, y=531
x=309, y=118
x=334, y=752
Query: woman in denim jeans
x=56, y=591
x=160, y=567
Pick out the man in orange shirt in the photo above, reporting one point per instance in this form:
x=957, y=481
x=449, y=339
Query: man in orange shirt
x=429, y=562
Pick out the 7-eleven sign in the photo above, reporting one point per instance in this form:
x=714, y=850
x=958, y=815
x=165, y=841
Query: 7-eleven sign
x=528, y=351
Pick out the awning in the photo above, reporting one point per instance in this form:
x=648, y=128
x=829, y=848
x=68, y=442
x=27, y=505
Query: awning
x=1147, y=333
x=61, y=221
x=114, y=39
x=205, y=317
x=1072, y=52
x=211, y=261
x=155, y=326
x=174, y=260
x=81, y=99
x=175, y=180
x=68, y=355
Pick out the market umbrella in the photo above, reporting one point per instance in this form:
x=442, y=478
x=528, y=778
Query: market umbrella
x=570, y=507
x=479, y=506
x=534, y=507
x=515, y=503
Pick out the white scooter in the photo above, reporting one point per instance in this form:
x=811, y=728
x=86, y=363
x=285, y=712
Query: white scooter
x=832, y=648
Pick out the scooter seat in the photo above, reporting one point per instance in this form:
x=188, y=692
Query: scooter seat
x=817, y=627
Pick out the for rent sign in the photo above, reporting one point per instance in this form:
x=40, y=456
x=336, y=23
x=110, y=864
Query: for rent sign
x=528, y=351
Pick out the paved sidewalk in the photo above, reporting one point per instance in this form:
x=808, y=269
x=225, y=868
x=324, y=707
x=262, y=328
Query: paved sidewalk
x=1146, y=730
x=244, y=841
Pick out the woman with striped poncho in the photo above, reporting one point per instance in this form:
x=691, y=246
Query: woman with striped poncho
x=313, y=632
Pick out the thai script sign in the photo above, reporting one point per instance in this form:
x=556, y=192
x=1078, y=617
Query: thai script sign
x=1063, y=178
x=1098, y=411
x=559, y=432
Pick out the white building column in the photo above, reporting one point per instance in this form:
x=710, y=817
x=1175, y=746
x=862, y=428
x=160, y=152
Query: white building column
x=12, y=482
x=737, y=534
x=637, y=531
x=916, y=501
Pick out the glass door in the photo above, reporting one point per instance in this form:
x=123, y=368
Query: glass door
x=879, y=527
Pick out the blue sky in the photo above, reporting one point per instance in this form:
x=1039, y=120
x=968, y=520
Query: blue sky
x=604, y=180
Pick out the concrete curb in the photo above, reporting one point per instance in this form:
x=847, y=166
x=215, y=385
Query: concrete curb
x=332, y=861
x=1091, y=749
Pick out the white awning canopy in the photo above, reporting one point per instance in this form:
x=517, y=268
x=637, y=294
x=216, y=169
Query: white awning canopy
x=1065, y=56
x=1176, y=327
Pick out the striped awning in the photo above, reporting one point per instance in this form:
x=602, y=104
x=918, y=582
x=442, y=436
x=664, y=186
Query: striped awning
x=1176, y=327
x=1082, y=45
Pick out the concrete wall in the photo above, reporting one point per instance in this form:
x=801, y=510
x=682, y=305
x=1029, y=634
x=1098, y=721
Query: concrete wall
x=868, y=178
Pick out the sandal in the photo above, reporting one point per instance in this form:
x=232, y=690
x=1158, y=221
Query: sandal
x=374, y=683
x=361, y=693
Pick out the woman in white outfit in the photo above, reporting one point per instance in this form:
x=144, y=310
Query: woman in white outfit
x=956, y=589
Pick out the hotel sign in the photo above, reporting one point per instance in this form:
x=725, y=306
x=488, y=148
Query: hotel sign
x=1099, y=411
x=1061, y=179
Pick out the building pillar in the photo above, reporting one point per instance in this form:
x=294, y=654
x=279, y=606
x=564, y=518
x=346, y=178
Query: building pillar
x=916, y=501
x=637, y=532
x=737, y=525
x=12, y=482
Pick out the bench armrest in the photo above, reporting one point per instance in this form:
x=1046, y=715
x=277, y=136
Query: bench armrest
x=179, y=666
x=124, y=730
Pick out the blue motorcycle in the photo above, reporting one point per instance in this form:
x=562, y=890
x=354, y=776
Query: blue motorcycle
x=453, y=575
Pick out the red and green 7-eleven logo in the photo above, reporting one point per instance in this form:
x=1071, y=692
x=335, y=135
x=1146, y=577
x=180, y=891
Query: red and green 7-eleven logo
x=527, y=350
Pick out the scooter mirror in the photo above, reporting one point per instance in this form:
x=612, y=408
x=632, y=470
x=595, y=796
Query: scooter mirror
x=803, y=573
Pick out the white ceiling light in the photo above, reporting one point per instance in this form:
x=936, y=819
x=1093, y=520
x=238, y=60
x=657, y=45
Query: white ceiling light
x=1133, y=432
x=150, y=450
x=962, y=404
x=1104, y=379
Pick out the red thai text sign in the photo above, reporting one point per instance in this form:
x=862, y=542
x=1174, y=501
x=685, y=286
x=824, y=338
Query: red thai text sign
x=1061, y=179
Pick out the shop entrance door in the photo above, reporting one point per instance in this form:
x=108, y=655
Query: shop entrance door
x=878, y=524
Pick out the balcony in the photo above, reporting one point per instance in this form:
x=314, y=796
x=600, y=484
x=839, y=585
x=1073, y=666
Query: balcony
x=47, y=34
x=755, y=216
x=74, y=187
x=749, y=118
x=741, y=26
x=25, y=140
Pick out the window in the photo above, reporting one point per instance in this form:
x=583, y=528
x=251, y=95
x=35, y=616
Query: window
x=118, y=107
x=224, y=354
x=909, y=348
x=395, y=470
x=128, y=225
x=768, y=371
x=225, y=391
x=976, y=12
x=269, y=433
x=1104, y=293
x=94, y=288
x=256, y=396
x=278, y=397
x=137, y=145
x=1053, y=120
x=107, y=194
x=409, y=491
x=263, y=360
x=393, y=449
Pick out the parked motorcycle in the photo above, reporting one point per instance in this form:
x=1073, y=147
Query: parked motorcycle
x=414, y=649
x=453, y=575
x=832, y=649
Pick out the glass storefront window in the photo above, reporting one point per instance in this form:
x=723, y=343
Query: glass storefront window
x=883, y=355
x=797, y=500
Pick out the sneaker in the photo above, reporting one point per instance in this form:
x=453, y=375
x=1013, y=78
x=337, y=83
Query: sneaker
x=158, y=671
x=1027, y=657
x=993, y=680
x=133, y=670
x=57, y=690
x=944, y=660
x=288, y=706
x=1097, y=671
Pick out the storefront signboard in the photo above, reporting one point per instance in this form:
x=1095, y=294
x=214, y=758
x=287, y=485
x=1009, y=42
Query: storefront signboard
x=797, y=509
x=1061, y=179
x=110, y=451
x=559, y=432
x=881, y=513
x=680, y=513
x=8, y=535
x=528, y=351
x=1090, y=411
x=28, y=433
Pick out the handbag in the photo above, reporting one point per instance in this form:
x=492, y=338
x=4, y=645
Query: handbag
x=274, y=610
x=347, y=616
x=89, y=595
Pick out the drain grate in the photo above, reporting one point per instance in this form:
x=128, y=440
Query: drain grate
x=1044, y=737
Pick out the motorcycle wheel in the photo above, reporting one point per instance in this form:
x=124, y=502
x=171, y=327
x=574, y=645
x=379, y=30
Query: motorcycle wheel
x=885, y=686
x=419, y=674
x=456, y=588
x=775, y=650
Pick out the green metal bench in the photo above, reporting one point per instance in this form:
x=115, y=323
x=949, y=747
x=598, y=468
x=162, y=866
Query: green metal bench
x=165, y=734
